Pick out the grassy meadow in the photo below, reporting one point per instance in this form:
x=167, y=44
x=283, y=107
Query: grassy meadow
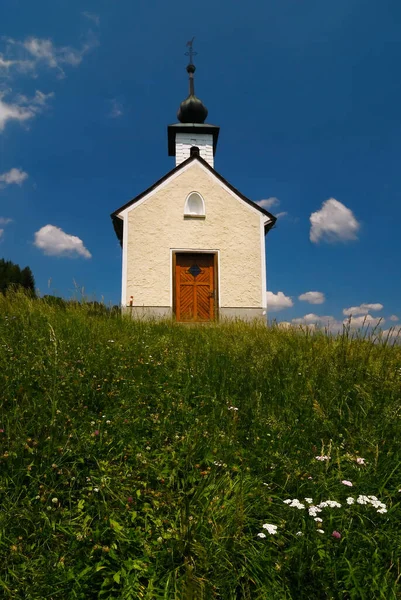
x=153, y=461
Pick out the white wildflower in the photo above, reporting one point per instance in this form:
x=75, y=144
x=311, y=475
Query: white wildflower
x=333, y=504
x=309, y=500
x=382, y=510
x=232, y=408
x=272, y=529
x=261, y=535
x=318, y=520
x=360, y=460
x=322, y=458
x=346, y=482
x=299, y=533
x=320, y=530
x=296, y=504
x=350, y=500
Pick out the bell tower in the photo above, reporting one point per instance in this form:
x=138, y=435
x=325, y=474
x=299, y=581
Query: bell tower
x=192, y=129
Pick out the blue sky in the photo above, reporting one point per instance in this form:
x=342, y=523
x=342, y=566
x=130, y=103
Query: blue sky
x=308, y=99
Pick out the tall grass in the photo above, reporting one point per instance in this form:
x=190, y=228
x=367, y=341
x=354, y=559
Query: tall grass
x=141, y=460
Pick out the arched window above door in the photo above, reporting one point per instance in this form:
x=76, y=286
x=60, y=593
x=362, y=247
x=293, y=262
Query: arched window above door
x=194, y=205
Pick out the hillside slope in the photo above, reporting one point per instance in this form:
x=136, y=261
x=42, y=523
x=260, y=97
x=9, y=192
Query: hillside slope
x=151, y=460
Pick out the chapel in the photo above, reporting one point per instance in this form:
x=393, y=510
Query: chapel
x=193, y=246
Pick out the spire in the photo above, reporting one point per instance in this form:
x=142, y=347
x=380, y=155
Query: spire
x=191, y=67
x=192, y=110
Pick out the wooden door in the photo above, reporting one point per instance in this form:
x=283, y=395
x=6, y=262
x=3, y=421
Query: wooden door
x=195, y=290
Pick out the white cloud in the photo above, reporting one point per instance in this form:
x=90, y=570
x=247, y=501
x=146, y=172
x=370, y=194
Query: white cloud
x=394, y=318
x=26, y=56
x=278, y=301
x=6, y=65
x=116, y=109
x=364, y=321
x=311, y=319
x=23, y=108
x=312, y=297
x=288, y=325
x=55, y=242
x=393, y=332
x=362, y=309
x=92, y=17
x=334, y=325
x=13, y=112
x=14, y=175
x=39, y=100
x=42, y=51
x=334, y=222
x=3, y=221
x=268, y=202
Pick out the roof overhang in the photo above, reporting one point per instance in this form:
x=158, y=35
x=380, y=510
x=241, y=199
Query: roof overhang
x=194, y=128
x=117, y=216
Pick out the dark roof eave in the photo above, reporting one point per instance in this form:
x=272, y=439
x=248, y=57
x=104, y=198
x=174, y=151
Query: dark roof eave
x=118, y=225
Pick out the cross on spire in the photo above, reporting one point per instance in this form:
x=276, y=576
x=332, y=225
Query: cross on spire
x=191, y=53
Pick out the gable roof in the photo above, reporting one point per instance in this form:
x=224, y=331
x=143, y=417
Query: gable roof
x=118, y=222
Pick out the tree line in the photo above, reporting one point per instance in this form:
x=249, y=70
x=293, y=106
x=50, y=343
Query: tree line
x=11, y=275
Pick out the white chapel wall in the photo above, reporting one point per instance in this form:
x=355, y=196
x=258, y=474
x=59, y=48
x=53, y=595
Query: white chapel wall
x=158, y=225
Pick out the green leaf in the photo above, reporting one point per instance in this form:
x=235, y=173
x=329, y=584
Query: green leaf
x=116, y=526
x=99, y=567
x=117, y=577
x=84, y=572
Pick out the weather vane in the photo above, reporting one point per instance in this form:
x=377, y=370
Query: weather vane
x=190, y=52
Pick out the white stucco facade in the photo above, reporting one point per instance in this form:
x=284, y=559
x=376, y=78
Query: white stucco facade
x=155, y=227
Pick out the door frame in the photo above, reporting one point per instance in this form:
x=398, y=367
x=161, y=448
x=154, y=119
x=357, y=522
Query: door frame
x=216, y=275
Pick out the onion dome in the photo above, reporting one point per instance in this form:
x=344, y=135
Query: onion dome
x=192, y=110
